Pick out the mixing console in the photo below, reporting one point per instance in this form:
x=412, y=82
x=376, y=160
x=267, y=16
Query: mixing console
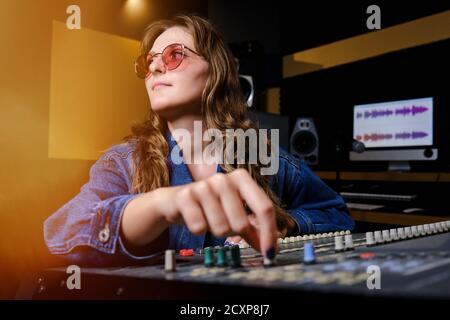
x=409, y=262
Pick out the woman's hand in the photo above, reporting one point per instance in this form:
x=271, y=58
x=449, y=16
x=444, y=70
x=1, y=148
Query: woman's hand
x=280, y=233
x=217, y=204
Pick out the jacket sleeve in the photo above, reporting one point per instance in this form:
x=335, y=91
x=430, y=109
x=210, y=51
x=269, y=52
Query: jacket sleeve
x=313, y=204
x=86, y=229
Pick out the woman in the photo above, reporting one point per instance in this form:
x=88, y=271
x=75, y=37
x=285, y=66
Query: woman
x=139, y=200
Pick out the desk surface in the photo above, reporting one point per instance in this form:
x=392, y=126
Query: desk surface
x=402, y=219
x=388, y=176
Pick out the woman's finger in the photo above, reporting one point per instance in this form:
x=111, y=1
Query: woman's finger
x=191, y=211
x=261, y=206
x=234, y=239
x=234, y=210
x=212, y=208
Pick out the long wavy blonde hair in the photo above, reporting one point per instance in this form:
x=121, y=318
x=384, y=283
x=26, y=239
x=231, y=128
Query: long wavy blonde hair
x=223, y=107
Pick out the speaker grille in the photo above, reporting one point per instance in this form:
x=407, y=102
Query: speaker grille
x=304, y=142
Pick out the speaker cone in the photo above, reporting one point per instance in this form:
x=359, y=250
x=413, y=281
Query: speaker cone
x=304, y=142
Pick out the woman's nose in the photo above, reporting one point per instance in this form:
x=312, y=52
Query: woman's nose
x=157, y=65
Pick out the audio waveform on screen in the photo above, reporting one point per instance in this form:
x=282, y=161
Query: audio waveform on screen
x=403, y=111
x=390, y=136
x=411, y=135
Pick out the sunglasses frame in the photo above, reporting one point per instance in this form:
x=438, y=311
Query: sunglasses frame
x=142, y=60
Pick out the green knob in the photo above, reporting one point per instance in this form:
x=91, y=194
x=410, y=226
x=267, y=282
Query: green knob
x=208, y=257
x=235, y=256
x=221, y=256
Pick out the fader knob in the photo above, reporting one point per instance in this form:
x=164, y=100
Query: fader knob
x=338, y=244
x=393, y=234
x=221, y=256
x=414, y=231
x=169, y=261
x=401, y=233
x=208, y=258
x=309, y=253
x=370, y=241
x=386, y=236
x=408, y=232
x=421, y=230
x=235, y=254
x=378, y=237
x=348, y=242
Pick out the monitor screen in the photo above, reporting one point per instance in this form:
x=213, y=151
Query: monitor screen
x=402, y=123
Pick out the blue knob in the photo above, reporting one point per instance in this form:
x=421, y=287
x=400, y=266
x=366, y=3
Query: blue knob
x=309, y=253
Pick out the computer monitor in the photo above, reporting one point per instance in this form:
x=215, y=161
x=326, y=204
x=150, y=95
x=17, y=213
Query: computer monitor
x=395, y=131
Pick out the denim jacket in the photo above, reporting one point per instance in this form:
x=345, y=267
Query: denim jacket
x=86, y=229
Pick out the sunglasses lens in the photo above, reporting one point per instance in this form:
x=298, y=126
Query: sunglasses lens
x=141, y=66
x=172, y=56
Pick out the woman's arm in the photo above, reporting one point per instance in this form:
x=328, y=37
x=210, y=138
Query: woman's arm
x=105, y=224
x=314, y=205
x=143, y=219
x=86, y=230
x=213, y=204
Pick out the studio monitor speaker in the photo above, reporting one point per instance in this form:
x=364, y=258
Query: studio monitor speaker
x=305, y=141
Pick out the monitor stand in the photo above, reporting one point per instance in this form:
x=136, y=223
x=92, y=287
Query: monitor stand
x=399, y=166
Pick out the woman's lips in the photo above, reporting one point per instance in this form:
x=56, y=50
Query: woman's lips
x=159, y=84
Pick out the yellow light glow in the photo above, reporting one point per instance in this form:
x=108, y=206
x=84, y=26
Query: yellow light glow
x=134, y=7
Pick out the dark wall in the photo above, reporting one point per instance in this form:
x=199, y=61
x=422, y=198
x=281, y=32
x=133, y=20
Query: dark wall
x=248, y=20
x=320, y=22
x=257, y=23
x=329, y=95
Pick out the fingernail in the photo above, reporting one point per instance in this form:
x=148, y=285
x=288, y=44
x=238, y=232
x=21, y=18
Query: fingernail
x=270, y=253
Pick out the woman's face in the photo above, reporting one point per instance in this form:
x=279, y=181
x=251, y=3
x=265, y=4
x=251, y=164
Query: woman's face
x=176, y=92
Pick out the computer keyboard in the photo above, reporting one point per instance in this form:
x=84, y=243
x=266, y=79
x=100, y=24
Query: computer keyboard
x=378, y=196
x=364, y=206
